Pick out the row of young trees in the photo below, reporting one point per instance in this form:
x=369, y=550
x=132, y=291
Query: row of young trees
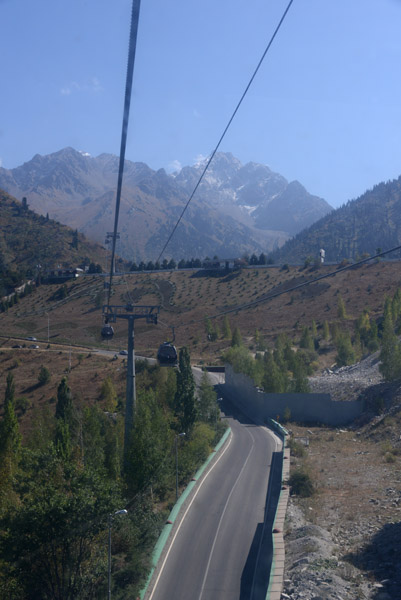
x=194, y=263
x=58, y=485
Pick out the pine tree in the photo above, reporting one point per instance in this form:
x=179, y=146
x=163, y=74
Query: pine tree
x=274, y=380
x=314, y=328
x=390, y=354
x=341, y=312
x=210, y=330
x=109, y=394
x=326, y=331
x=300, y=382
x=64, y=401
x=44, y=375
x=345, y=351
x=236, y=339
x=306, y=341
x=226, y=328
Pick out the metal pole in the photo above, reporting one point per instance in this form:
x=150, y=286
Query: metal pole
x=176, y=468
x=109, y=562
x=130, y=396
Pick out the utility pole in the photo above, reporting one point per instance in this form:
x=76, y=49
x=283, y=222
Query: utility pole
x=130, y=313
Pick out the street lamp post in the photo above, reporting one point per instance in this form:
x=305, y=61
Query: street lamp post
x=48, y=327
x=110, y=520
x=176, y=464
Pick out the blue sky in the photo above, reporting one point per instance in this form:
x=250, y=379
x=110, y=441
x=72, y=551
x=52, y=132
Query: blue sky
x=325, y=107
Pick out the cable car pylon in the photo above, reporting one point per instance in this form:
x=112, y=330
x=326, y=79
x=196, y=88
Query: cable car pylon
x=130, y=313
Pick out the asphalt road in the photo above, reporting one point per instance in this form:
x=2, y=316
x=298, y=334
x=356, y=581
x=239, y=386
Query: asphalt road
x=219, y=550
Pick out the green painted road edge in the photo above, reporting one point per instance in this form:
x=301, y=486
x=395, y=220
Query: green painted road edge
x=283, y=433
x=161, y=542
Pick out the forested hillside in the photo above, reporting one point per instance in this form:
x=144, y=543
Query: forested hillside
x=62, y=475
x=361, y=226
x=31, y=243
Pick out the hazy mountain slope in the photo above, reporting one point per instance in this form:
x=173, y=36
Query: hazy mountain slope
x=370, y=222
x=237, y=208
x=28, y=240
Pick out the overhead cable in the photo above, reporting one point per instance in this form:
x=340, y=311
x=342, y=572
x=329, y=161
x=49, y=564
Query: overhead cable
x=136, y=4
x=292, y=289
x=209, y=160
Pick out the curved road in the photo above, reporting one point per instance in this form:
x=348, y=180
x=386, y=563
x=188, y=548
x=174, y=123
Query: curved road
x=218, y=551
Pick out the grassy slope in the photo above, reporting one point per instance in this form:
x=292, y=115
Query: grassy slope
x=187, y=297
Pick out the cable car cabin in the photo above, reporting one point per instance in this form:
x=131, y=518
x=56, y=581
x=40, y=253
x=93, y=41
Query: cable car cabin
x=167, y=354
x=107, y=332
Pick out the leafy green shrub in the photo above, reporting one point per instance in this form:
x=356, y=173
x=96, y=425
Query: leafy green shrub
x=301, y=483
x=389, y=457
x=22, y=404
x=296, y=448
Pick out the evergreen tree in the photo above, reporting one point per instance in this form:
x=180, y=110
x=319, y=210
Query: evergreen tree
x=306, y=341
x=362, y=327
x=396, y=306
x=210, y=330
x=373, y=343
x=44, y=376
x=62, y=441
x=274, y=380
x=10, y=438
x=289, y=356
x=390, y=354
x=314, y=328
x=300, y=382
x=341, y=312
x=226, y=328
x=185, y=402
x=108, y=394
x=236, y=339
x=64, y=401
x=345, y=351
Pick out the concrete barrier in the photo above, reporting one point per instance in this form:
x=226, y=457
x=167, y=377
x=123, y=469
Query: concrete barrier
x=305, y=408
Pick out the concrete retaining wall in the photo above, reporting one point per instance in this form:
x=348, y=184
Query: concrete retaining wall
x=306, y=408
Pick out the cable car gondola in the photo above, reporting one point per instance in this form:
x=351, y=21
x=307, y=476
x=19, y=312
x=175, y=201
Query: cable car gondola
x=107, y=332
x=167, y=354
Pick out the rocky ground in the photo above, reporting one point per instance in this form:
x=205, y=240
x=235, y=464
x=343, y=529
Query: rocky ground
x=344, y=541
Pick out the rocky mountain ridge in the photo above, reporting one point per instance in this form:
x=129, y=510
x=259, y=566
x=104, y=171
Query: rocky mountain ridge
x=238, y=208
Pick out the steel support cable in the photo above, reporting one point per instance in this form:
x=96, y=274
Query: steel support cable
x=292, y=289
x=226, y=128
x=136, y=4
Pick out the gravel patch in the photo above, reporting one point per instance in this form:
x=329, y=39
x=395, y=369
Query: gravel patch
x=344, y=542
